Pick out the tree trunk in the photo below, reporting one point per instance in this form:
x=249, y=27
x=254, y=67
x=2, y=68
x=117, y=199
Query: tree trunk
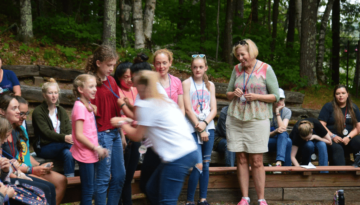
x=125, y=22
x=291, y=27
x=274, y=30
x=308, y=41
x=227, y=55
x=298, y=7
x=67, y=7
x=239, y=9
x=138, y=25
x=26, y=27
x=180, y=20
x=109, y=32
x=218, y=31
x=269, y=16
x=320, y=59
x=148, y=21
x=254, y=11
x=335, y=42
x=357, y=70
x=202, y=24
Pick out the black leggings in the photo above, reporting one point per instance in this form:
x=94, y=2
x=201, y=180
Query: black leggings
x=131, y=157
x=47, y=187
x=337, y=151
x=150, y=163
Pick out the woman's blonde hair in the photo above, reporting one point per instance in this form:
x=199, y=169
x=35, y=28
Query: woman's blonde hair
x=80, y=82
x=250, y=46
x=305, y=128
x=102, y=53
x=205, y=77
x=164, y=51
x=52, y=82
x=150, y=80
x=5, y=127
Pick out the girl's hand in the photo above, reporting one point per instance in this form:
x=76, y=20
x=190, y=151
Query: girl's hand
x=200, y=126
x=238, y=92
x=10, y=192
x=4, y=164
x=204, y=136
x=346, y=140
x=68, y=139
x=251, y=96
x=337, y=139
x=279, y=107
x=21, y=175
x=3, y=189
x=102, y=152
x=280, y=130
x=15, y=163
x=41, y=170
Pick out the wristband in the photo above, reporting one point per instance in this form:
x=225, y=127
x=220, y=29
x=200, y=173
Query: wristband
x=202, y=131
x=333, y=136
x=122, y=105
x=29, y=170
x=206, y=122
x=349, y=137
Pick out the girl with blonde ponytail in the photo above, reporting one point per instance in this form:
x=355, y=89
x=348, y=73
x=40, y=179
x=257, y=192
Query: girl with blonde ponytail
x=200, y=109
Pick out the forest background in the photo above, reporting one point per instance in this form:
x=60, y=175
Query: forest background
x=311, y=44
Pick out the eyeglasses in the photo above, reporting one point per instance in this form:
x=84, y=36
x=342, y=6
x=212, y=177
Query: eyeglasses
x=241, y=42
x=198, y=56
x=22, y=114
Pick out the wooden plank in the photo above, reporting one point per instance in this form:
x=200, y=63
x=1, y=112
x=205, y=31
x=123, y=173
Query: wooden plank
x=34, y=94
x=59, y=73
x=23, y=71
x=73, y=190
x=292, y=169
x=234, y=195
x=320, y=194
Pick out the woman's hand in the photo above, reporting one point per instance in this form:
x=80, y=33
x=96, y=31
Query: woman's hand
x=68, y=139
x=280, y=130
x=4, y=164
x=251, y=96
x=338, y=140
x=238, y=92
x=200, y=126
x=204, y=136
x=346, y=140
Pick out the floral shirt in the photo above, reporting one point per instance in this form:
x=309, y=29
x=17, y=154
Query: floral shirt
x=263, y=81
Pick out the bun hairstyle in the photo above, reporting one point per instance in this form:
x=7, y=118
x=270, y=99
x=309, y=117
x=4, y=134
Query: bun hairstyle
x=120, y=70
x=5, y=127
x=80, y=82
x=5, y=100
x=140, y=63
x=166, y=52
x=52, y=82
x=102, y=53
x=305, y=128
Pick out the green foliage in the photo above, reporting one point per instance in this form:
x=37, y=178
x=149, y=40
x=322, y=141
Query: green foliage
x=67, y=29
x=5, y=47
x=128, y=54
x=68, y=52
x=23, y=48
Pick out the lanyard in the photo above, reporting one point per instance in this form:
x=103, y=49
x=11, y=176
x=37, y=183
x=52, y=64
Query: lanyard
x=92, y=112
x=202, y=95
x=345, y=117
x=110, y=88
x=132, y=94
x=248, y=77
x=169, y=85
x=273, y=122
x=12, y=150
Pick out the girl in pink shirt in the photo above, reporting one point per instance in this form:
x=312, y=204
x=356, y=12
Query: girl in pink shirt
x=163, y=59
x=85, y=150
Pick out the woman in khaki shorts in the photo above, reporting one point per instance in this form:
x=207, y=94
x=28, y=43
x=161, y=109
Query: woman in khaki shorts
x=252, y=89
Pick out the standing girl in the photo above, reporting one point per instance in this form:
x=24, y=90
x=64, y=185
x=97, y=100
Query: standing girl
x=163, y=59
x=200, y=108
x=102, y=64
x=86, y=150
x=127, y=95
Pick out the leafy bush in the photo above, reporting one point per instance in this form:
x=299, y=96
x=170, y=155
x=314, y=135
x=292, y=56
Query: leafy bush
x=68, y=52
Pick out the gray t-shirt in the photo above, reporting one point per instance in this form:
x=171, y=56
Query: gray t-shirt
x=285, y=114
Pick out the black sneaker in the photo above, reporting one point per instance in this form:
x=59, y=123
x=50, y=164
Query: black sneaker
x=203, y=203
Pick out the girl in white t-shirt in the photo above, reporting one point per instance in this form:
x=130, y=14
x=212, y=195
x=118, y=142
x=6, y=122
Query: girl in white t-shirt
x=200, y=109
x=85, y=150
x=161, y=120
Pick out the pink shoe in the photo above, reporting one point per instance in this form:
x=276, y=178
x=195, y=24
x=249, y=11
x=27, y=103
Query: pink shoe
x=263, y=203
x=243, y=202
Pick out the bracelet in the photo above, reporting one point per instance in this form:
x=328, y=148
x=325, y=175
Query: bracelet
x=349, y=137
x=29, y=170
x=202, y=131
x=206, y=122
x=277, y=114
x=122, y=105
x=333, y=136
